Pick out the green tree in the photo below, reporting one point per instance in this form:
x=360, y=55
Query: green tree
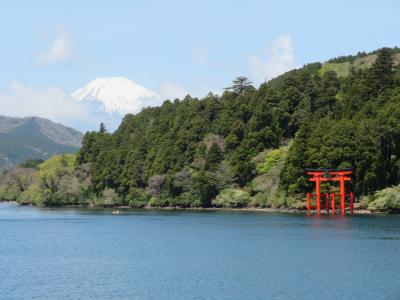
x=214, y=157
x=239, y=84
x=381, y=75
x=103, y=128
x=333, y=122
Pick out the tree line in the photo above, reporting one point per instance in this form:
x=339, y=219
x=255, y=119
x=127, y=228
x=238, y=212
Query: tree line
x=234, y=149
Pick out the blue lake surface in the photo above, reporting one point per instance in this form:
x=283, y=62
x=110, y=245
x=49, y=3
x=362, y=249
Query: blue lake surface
x=92, y=254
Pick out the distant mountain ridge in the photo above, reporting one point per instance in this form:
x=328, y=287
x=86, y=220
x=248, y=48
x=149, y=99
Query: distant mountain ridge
x=33, y=137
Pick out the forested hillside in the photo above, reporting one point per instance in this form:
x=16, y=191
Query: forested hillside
x=34, y=138
x=249, y=147
x=195, y=148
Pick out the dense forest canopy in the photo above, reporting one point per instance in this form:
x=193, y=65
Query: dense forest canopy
x=335, y=122
x=250, y=146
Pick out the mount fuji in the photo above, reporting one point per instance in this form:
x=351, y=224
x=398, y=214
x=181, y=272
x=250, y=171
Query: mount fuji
x=116, y=95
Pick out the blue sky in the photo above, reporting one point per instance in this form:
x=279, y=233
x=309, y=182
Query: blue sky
x=177, y=47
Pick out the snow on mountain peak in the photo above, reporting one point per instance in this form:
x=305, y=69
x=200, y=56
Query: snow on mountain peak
x=117, y=95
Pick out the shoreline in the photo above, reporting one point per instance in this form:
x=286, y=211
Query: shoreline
x=211, y=209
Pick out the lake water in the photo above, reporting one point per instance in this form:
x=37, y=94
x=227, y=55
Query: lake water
x=92, y=254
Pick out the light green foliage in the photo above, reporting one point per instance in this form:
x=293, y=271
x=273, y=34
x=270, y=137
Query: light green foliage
x=343, y=65
x=108, y=198
x=14, y=182
x=33, y=195
x=274, y=199
x=341, y=69
x=137, y=198
x=261, y=200
x=364, y=202
x=57, y=165
x=272, y=159
x=187, y=152
x=265, y=186
x=56, y=184
x=157, y=202
x=232, y=197
x=386, y=200
x=31, y=163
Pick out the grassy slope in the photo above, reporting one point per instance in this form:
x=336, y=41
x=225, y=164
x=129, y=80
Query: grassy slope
x=342, y=69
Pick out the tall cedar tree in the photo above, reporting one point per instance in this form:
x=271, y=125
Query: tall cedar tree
x=239, y=85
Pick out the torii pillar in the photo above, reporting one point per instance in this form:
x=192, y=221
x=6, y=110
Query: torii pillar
x=342, y=176
x=317, y=178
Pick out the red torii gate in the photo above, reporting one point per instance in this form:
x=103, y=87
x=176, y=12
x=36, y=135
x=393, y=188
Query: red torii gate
x=322, y=175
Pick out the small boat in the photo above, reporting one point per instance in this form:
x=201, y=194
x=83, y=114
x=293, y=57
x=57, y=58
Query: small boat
x=116, y=212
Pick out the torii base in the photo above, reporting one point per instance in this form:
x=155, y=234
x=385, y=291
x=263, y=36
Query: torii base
x=332, y=203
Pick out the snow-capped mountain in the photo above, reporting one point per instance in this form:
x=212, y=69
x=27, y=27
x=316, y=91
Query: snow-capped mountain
x=116, y=95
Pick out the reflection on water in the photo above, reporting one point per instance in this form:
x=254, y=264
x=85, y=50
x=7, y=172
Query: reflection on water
x=92, y=254
x=325, y=225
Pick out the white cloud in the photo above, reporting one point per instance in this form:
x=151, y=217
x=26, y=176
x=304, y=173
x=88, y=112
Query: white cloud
x=49, y=102
x=59, y=50
x=199, y=56
x=280, y=59
x=172, y=91
x=55, y=104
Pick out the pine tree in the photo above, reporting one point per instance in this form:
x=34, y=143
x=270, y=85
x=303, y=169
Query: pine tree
x=214, y=157
x=239, y=85
x=103, y=128
x=382, y=71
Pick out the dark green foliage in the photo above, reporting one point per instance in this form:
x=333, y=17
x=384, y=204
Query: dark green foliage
x=214, y=157
x=31, y=163
x=137, y=198
x=186, y=152
x=381, y=75
x=193, y=153
x=355, y=127
x=352, y=58
x=103, y=128
x=239, y=85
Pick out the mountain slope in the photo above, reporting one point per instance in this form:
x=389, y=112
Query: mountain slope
x=187, y=152
x=32, y=137
x=342, y=65
x=248, y=147
x=116, y=95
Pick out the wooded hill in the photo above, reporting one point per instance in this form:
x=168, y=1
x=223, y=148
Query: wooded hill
x=33, y=137
x=249, y=147
x=194, y=148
